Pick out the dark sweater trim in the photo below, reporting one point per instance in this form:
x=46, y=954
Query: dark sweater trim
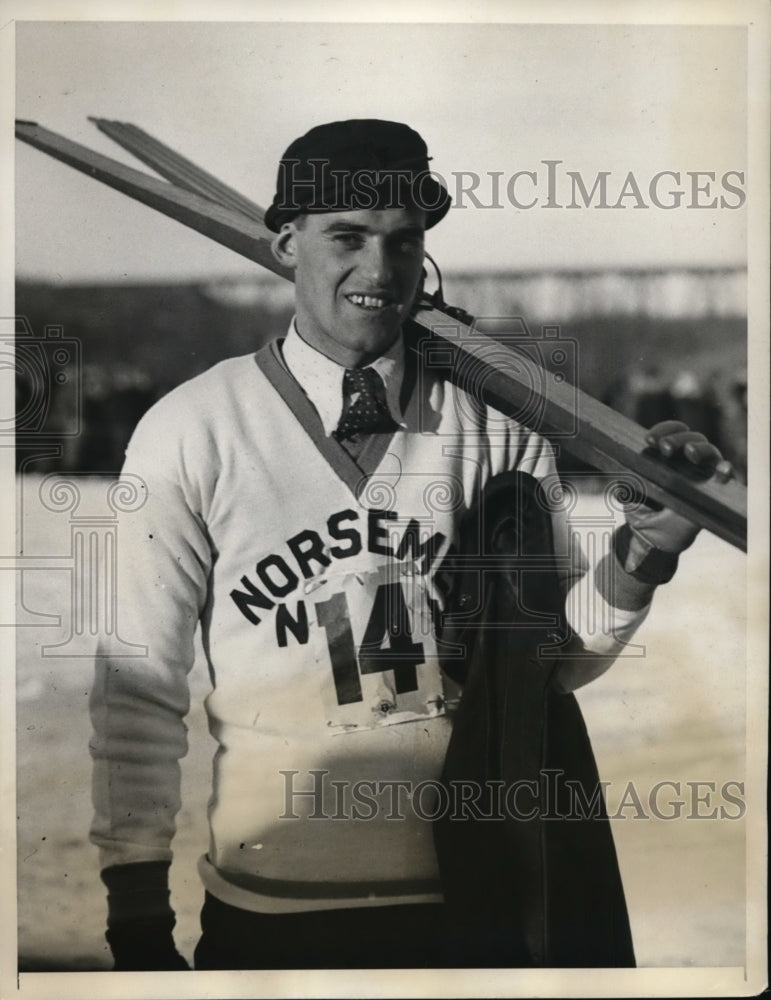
x=353, y=473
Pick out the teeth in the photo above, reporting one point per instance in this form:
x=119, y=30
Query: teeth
x=367, y=301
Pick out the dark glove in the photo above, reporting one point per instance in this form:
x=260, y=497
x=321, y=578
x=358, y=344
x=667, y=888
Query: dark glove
x=654, y=536
x=140, y=919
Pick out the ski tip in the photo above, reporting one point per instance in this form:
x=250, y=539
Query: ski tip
x=105, y=122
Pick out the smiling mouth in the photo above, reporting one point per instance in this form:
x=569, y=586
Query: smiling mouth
x=372, y=303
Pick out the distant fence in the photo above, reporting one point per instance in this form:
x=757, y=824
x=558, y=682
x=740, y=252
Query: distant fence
x=563, y=296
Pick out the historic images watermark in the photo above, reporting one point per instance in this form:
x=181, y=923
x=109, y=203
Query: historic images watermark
x=313, y=795
x=47, y=384
x=316, y=187
x=553, y=185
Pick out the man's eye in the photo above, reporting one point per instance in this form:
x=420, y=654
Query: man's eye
x=409, y=245
x=350, y=241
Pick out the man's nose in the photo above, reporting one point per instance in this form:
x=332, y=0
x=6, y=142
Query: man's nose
x=378, y=262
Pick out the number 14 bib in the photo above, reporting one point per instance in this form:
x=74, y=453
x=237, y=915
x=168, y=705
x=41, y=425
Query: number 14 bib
x=374, y=636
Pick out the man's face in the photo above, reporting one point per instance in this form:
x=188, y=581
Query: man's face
x=356, y=275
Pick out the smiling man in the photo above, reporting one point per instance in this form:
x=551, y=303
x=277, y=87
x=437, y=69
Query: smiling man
x=356, y=278
x=301, y=507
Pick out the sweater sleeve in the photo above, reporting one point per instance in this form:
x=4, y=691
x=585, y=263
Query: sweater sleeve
x=138, y=702
x=605, y=603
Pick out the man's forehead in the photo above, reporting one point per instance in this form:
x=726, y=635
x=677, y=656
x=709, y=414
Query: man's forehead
x=367, y=220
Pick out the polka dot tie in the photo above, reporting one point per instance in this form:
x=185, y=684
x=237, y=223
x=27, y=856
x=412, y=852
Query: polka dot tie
x=365, y=410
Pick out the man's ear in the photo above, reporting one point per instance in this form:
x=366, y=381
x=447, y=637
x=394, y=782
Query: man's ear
x=284, y=246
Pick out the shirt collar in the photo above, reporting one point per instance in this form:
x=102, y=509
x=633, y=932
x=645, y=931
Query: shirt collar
x=321, y=379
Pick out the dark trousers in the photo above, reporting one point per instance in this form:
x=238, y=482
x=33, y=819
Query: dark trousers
x=370, y=937
x=408, y=937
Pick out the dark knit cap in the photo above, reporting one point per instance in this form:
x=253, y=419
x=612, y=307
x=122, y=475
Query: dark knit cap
x=358, y=164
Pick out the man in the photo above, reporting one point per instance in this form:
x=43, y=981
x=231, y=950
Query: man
x=299, y=504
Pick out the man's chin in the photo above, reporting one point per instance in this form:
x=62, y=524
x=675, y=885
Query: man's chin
x=369, y=348
x=376, y=333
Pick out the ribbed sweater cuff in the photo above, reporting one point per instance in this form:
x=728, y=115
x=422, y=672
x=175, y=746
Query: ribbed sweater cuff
x=138, y=891
x=631, y=591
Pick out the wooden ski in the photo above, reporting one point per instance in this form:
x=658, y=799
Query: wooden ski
x=508, y=371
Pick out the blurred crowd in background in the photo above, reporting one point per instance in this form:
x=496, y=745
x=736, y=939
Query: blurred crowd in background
x=715, y=405
x=653, y=346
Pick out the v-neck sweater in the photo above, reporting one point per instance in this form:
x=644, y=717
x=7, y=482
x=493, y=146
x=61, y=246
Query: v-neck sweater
x=316, y=580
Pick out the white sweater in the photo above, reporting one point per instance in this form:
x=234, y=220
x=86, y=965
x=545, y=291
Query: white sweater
x=264, y=531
